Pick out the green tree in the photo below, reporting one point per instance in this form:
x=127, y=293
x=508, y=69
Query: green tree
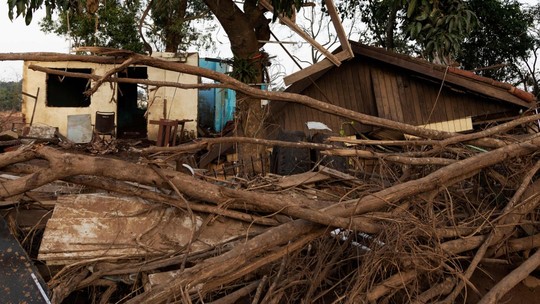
x=173, y=25
x=110, y=23
x=501, y=40
x=10, y=95
x=432, y=28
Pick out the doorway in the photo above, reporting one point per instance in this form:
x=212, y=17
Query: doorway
x=132, y=104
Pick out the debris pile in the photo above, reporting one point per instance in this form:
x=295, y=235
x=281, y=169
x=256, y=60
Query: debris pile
x=410, y=221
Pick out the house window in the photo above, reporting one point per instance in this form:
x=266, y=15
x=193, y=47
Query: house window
x=63, y=91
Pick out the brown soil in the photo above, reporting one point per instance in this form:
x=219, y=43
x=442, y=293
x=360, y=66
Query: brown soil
x=487, y=276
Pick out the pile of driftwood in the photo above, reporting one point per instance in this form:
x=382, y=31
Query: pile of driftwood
x=413, y=222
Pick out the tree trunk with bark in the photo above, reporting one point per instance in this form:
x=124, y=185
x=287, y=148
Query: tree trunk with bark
x=245, y=29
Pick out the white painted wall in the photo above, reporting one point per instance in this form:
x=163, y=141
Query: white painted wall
x=57, y=116
x=181, y=104
x=169, y=102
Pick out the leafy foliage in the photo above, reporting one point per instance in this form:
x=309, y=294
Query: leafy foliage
x=286, y=7
x=112, y=23
x=501, y=40
x=439, y=27
x=174, y=25
x=244, y=70
x=10, y=95
x=432, y=27
x=26, y=8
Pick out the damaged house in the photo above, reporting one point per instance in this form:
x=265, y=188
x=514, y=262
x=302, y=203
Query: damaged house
x=59, y=101
x=381, y=83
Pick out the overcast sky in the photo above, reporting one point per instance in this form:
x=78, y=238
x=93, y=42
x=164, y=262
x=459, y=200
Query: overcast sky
x=17, y=37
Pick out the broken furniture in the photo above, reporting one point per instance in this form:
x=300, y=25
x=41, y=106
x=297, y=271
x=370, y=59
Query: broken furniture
x=167, y=131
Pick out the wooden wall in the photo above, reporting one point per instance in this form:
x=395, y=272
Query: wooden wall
x=378, y=89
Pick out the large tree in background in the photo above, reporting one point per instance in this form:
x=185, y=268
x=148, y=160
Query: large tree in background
x=496, y=38
x=500, y=41
x=432, y=28
x=10, y=95
x=172, y=25
x=110, y=23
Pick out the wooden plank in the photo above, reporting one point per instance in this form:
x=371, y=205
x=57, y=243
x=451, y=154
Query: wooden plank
x=91, y=226
x=301, y=179
x=322, y=65
x=449, y=105
x=354, y=86
x=429, y=70
x=368, y=94
x=381, y=94
x=339, y=175
x=396, y=102
x=423, y=96
x=415, y=101
x=214, y=152
x=406, y=104
x=343, y=39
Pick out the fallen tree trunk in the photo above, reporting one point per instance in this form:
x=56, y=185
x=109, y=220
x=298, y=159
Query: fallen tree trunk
x=391, y=236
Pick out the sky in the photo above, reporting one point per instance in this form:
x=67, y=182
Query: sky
x=18, y=38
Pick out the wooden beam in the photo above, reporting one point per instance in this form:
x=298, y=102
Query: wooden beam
x=343, y=39
x=287, y=21
x=314, y=68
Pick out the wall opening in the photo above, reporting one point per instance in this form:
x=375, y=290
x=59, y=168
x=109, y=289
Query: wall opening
x=63, y=91
x=132, y=103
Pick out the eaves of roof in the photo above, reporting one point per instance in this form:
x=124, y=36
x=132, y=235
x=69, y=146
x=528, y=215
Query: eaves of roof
x=462, y=78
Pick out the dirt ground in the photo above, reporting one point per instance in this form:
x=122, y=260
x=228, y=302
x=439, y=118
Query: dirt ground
x=526, y=292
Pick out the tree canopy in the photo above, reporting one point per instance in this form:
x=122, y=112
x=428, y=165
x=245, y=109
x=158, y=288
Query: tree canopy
x=432, y=28
x=112, y=23
x=501, y=39
x=473, y=33
x=495, y=38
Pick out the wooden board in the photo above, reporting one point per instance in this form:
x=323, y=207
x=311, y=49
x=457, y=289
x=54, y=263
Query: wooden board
x=429, y=70
x=301, y=179
x=315, y=68
x=89, y=226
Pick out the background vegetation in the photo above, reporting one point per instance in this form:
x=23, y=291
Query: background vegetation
x=10, y=96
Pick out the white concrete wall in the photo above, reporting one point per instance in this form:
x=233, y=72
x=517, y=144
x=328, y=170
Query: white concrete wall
x=57, y=116
x=181, y=104
x=170, y=102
